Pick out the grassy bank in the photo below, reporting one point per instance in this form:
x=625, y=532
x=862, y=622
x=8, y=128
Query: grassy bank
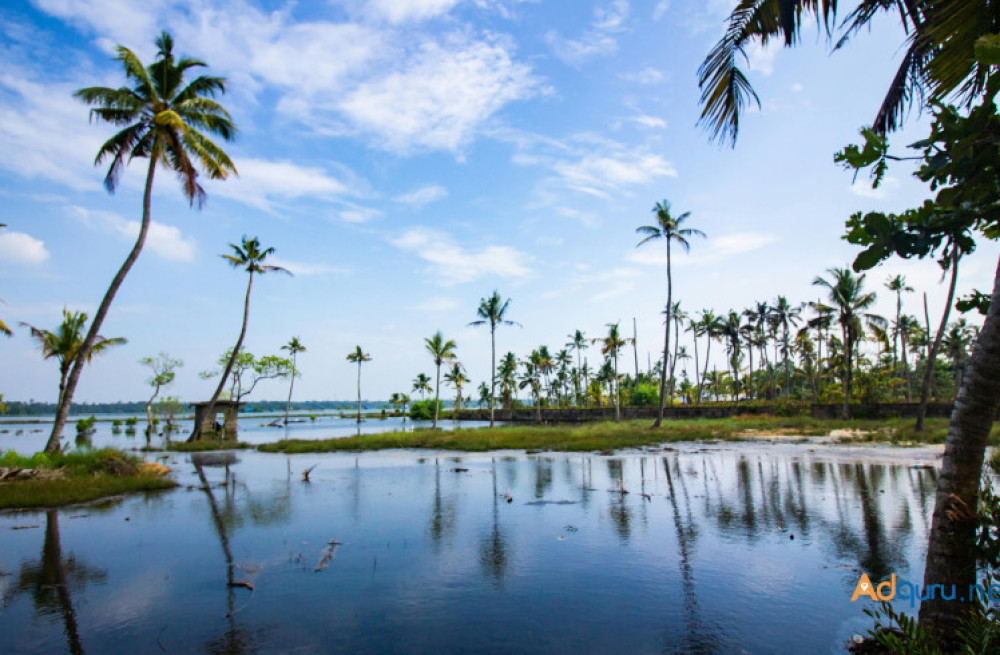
x=75, y=477
x=202, y=446
x=607, y=435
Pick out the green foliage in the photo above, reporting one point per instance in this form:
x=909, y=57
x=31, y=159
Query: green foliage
x=85, y=425
x=131, y=421
x=643, y=395
x=423, y=410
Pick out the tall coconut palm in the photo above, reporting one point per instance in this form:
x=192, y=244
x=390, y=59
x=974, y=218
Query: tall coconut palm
x=578, y=342
x=731, y=329
x=786, y=316
x=709, y=324
x=851, y=302
x=162, y=118
x=897, y=284
x=440, y=350
x=611, y=345
x=671, y=229
x=249, y=256
x=507, y=374
x=294, y=347
x=359, y=357
x=400, y=401
x=492, y=312
x=65, y=345
x=422, y=385
x=532, y=378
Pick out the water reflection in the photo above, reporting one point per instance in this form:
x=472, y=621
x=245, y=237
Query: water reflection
x=690, y=551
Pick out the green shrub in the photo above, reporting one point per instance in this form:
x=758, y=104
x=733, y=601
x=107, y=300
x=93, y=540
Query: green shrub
x=85, y=425
x=643, y=395
x=423, y=410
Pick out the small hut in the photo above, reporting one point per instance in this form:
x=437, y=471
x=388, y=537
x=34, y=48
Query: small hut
x=209, y=422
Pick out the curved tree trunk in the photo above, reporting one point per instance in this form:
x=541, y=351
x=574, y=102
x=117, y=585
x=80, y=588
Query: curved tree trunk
x=291, y=385
x=950, y=560
x=62, y=411
x=666, y=344
x=929, y=368
x=196, y=433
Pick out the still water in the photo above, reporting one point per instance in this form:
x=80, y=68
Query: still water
x=700, y=549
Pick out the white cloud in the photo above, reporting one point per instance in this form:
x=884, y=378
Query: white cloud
x=438, y=98
x=863, y=187
x=23, y=249
x=651, y=122
x=304, y=268
x=647, y=75
x=398, y=11
x=423, y=195
x=606, y=173
x=703, y=251
x=761, y=58
x=165, y=241
x=453, y=263
x=797, y=88
x=609, y=19
x=660, y=9
x=261, y=182
x=358, y=214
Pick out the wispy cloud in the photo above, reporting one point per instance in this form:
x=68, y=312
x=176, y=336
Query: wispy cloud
x=647, y=75
x=305, y=268
x=21, y=249
x=261, y=183
x=863, y=187
x=399, y=11
x=710, y=251
x=602, y=174
x=452, y=263
x=599, y=39
x=423, y=195
x=165, y=241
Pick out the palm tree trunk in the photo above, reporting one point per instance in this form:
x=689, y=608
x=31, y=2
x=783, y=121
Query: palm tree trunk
x=618, y=392
x=708, y=355
x=493, y=371
x=635, y=348
x=291, y=385
x=62, y=411
x=950, y=560
x=788, y=370
x=437, y=391
x=196, y=433
x=359, y=390
x=697, y=370
x=666, y=344
x=925, y=387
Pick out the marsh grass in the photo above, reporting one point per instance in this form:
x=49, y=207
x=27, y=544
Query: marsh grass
x=83, y=475
x=610, y=436
x=202, y=446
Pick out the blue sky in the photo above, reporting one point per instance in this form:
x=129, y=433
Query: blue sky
x=407, y=157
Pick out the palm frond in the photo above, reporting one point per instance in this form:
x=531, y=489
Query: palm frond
x=135, y=70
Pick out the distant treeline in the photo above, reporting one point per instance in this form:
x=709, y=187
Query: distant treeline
x=17, y=408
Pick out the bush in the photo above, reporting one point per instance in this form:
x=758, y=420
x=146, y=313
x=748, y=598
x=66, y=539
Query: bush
x=86, y=425
x=423, y=410
x=643, y=395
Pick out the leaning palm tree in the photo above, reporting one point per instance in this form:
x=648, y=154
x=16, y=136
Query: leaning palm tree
x=851, y=302
x=670, y=229
x=359, y=357
x=422, y=385
x=400, y=401
x=491, y=312
x=294, y=347
x=457, y=378
x=440, y=351
x=163, y=120
x=65, y=344
x=250, y=257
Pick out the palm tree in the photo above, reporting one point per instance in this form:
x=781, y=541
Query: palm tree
x=669, y=229
x=611, y=345
x=531, y=378
x=786, y=316
x=897, y=284
x=578, y=342
x=457, y=378
x=294, y=347
x=440, y=351
x=162, y=120
x=906, y=327
x=709, y=324
x=491, y=312
x=65, y=345
x=848, y=297
x=359, y=357
x=508, y=380
x=250, y=257
x=730, y=328
x=421, y=385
